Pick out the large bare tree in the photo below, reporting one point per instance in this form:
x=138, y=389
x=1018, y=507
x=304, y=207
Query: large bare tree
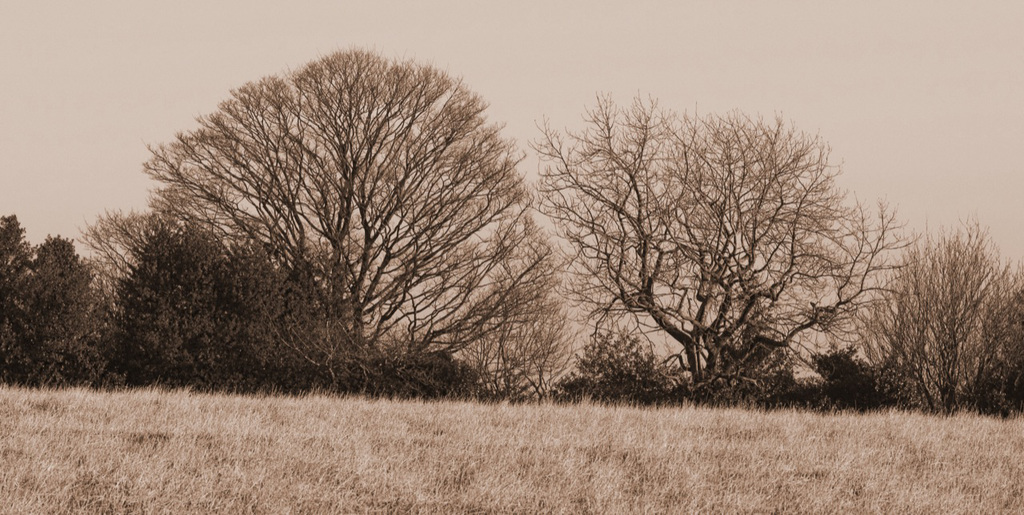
x=383, y=181
x=727, y=233
x=948, y=320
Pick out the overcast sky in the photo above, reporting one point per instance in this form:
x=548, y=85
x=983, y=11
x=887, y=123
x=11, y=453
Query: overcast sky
x=922, y=101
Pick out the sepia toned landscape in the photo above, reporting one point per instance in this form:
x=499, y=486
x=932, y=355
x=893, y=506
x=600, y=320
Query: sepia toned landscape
x=567, y=258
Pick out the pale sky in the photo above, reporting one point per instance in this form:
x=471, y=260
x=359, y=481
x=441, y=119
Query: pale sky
x=922, y=101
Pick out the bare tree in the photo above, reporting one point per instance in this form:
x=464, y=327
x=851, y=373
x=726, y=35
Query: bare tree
x=727, y=233
x=947, y=322
x=524, y=359
x=380, y=180
x=114, y=240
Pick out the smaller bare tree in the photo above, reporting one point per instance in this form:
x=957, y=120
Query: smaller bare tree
x=947, y=321
x=525, y=357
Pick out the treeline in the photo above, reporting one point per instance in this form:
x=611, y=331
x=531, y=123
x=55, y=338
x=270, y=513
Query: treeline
x=359, y=226
x=944, y=334
x=190, y=312
x=194, y=312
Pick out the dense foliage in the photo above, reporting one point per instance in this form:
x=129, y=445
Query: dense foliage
x=849, y=382
x=193, y=313
x=50, y=317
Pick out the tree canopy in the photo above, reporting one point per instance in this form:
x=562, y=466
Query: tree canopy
x=727, y=233
x=380, y=181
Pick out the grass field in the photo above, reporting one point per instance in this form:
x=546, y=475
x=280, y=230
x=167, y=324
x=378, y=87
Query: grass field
x=154, y=451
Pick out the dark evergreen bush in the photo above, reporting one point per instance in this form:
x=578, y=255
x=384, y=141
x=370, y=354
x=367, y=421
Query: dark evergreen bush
x=64, y=335
x=432, y=375
x=168, y=309
x=193, y=313
x=848, y=382
x=768, y=382
x=15, y=268
x=619, y=368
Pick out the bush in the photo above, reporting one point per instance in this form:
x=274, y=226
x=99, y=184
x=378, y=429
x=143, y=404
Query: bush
x=168, y=309
x=1013, y=385
x=848, y=382
x=769, y=383
x=193, y=312
x=15, y=269
x=945, y=322
x=1012, y=375
x=433, y=375
x=64, y=334
x=619, y=368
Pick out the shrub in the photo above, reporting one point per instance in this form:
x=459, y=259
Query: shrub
x=64, y=332
x=619, y=368
x=168, y=308
x=848, y=382
x=945, y=320
x=432, y=375
x=192, y=312
x=768, y=383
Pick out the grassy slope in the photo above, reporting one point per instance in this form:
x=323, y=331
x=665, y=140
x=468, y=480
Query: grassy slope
x=148, y=451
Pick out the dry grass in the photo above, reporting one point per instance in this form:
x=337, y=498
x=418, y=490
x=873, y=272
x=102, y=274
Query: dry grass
x=153, y=451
